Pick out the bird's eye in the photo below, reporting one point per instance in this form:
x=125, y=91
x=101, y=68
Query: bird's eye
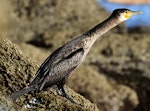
x=127, y=14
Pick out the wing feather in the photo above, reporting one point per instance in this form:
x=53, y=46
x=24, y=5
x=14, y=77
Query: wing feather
x=63, y=68
x=59, y=64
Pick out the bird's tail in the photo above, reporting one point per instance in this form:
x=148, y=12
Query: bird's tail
x=21, y=92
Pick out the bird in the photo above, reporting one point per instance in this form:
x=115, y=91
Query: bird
x=56, y=69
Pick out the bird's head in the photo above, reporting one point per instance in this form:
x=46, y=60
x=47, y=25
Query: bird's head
x=124, y=14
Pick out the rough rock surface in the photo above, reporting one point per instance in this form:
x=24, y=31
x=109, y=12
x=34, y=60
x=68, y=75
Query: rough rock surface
x=127, y=60
x=107, y=94
x=17, y=70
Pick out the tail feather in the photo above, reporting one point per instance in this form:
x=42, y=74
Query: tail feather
x=21, y=92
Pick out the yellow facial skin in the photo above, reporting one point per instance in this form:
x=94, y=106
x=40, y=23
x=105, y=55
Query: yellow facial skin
x=128, y=14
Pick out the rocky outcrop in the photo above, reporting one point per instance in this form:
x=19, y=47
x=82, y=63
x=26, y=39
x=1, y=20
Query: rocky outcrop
x=127, y=61
x=17, y=70
x=107, y=94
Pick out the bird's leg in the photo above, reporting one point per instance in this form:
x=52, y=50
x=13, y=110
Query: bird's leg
x=61, y=91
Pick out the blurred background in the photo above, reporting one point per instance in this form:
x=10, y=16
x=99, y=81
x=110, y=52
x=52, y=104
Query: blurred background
x=137, y=21
x=117, y=69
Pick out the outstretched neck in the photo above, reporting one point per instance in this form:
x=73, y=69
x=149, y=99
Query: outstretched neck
x=90, y=36
x=103, y=27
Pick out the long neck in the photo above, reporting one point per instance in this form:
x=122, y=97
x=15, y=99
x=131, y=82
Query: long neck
x=103, y=27
x=90, y=36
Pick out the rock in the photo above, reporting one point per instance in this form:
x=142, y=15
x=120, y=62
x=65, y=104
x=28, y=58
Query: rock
x=128, y=64
x=17, y=70
x=97, y=88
